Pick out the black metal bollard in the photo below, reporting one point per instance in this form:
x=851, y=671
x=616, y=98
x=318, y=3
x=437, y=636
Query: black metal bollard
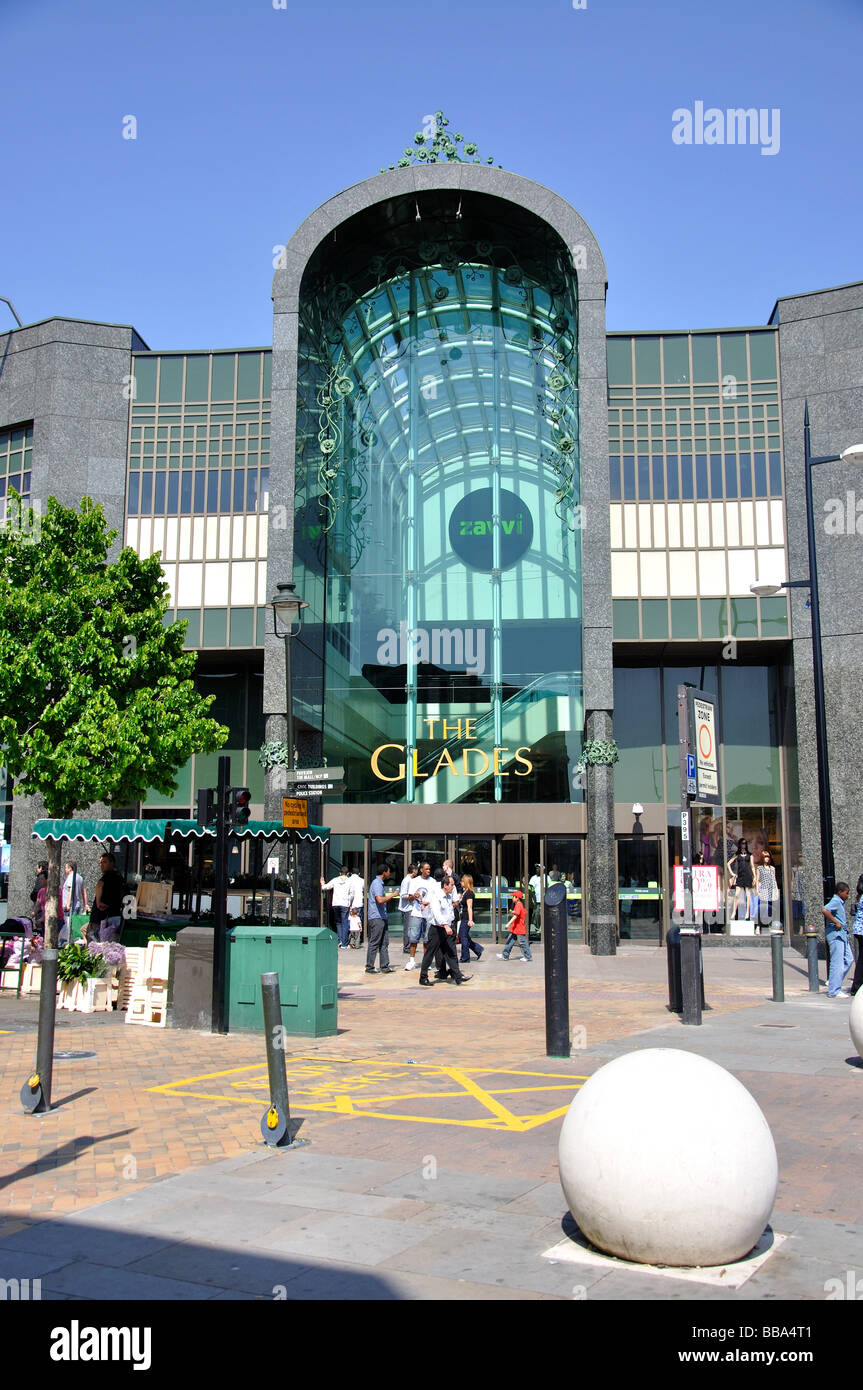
x=777, y=942
x=45, y=1039
x=691, y=978
x=812, y=959
x=276, y=1124
x=557, y=1040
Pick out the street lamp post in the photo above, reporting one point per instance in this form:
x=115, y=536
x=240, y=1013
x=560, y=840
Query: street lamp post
x=287, y=609
x=825, y=805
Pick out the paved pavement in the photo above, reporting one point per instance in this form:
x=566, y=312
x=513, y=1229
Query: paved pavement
x=432, y=1120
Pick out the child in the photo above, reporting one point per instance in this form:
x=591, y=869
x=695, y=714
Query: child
x=355, y=927
x=517, y=928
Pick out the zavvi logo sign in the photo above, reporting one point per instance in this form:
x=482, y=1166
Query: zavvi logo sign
x=471, y=530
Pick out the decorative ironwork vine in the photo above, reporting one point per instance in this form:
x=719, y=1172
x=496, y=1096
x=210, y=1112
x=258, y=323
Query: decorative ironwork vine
x=434, y=145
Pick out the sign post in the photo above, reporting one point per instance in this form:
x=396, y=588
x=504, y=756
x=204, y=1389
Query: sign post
x=295, y=816
x=220, y=897
x=690, y=955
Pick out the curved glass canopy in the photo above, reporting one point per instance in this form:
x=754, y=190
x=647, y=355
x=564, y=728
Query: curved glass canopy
x=438, y=525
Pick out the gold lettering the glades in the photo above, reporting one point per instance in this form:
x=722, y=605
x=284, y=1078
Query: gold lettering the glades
x=446, y=761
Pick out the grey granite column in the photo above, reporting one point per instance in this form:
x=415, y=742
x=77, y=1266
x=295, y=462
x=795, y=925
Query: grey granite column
x=601, y=913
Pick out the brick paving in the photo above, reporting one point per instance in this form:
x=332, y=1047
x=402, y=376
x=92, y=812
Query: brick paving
x=112, y=1133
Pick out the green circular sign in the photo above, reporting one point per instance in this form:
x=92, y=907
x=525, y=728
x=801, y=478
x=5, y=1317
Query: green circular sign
x=471, y=530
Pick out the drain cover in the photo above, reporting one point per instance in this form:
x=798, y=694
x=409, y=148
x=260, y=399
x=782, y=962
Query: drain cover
x=777, y=1025
x=72, y=1056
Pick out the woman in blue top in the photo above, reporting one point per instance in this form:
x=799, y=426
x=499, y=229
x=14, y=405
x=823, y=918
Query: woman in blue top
x=836, y=932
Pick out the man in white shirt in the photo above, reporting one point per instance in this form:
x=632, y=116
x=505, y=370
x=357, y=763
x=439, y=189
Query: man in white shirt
x=441, y=935
x=343, y=896
x=406, y=906
x=358, y=890
x=420, y=890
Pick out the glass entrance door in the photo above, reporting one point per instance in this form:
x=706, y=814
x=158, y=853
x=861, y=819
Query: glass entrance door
x=511, y=872
x=475, y=856
x=639, y=888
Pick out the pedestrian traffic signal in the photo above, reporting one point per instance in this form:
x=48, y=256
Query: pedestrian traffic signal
x=206, y=810
x=239, y=802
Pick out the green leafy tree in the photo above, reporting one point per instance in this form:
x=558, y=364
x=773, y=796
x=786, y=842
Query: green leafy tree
x=97, y=701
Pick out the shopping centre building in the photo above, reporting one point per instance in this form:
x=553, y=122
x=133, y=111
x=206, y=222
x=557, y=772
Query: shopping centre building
x=515, y=533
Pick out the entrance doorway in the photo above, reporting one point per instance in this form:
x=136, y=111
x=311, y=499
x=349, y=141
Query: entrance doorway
x=639, y=889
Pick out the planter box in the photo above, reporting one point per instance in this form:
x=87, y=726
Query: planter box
x=93, y=996
x=67, y=995
x=32, y=979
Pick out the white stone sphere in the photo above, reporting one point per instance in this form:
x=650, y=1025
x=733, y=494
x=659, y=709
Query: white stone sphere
x=855, y=1021
x=665, y=1158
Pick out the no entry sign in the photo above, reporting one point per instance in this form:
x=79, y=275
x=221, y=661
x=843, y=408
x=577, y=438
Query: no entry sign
x=706, y=757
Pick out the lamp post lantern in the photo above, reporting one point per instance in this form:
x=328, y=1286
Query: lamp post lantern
x=825, y=805
x=287, y=609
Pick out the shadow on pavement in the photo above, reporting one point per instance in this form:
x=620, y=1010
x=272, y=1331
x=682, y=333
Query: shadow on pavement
x=56, y=1158
x=76, y=1260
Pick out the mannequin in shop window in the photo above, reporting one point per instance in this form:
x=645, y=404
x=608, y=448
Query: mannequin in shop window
x=766, y=887
x=742, y=879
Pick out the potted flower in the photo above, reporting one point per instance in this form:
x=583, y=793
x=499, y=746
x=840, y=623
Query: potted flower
x=113, y=958
x=81, y=969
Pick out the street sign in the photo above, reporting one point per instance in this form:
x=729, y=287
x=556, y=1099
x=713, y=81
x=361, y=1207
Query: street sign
x=684, y=825
x=313, y=774
x=706, y=756
x=309, y=791
x=295, y=815
x=691, y=782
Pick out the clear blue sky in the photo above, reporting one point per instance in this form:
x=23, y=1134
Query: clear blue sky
x=250, y=116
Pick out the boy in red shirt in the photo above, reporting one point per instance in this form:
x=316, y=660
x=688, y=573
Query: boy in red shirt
x=517, y=928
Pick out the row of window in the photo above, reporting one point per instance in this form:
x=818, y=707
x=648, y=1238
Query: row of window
x=683, y=358
x=691, y=619
x=686, y=414
x=218, y=376
x=199, y=492
x=687, y=477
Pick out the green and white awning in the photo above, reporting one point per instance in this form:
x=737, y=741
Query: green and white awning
x=150, y=831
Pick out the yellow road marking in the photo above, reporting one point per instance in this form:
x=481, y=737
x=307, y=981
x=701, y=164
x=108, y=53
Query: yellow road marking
x=338, y=1095
x=483, y=1097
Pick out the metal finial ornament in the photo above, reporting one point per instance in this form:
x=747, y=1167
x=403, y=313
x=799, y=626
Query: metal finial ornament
x=440, y=147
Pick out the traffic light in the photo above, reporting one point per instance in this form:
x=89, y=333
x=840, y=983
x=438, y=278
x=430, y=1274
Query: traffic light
x=206, y=809
x=239, y=801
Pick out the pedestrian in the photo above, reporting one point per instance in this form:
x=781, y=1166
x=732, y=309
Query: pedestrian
x=41, y=890
x=766, y=887
x=41, y=868
x=517, y=928
x=420, y=896
x=355, y=927
x=358, y=899
x=857, y=928
x=379, y=937
x=441, y=936
x=343, y=895
x=465, y=921
x=106, y=914
x=436, y=885
x=74, y=892
x=838, y=945
x=406, y=908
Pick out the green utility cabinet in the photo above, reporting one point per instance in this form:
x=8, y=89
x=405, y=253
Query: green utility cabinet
x=306, y=961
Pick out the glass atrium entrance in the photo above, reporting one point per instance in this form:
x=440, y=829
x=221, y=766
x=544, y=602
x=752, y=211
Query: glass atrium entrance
x=496, y=863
